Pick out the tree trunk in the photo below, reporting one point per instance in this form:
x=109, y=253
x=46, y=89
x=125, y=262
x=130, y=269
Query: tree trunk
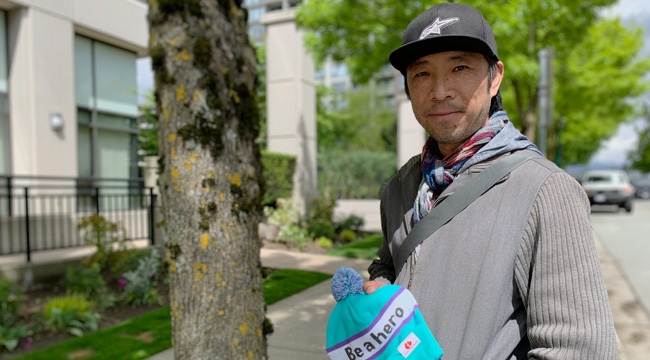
x=210, y=178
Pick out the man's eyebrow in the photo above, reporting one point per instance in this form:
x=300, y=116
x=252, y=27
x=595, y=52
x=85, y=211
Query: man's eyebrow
x=419, y=62
x=462, y=56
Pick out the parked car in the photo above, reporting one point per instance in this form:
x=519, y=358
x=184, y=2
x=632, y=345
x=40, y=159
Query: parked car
x=642, y=188
x=608, y=187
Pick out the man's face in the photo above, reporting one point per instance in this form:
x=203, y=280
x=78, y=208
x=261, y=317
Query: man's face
x=450, y=95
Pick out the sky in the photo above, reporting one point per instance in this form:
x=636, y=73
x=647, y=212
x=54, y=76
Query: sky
x=613, y=152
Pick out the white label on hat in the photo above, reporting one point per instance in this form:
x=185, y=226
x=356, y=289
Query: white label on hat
x=436, y=26
x=373, y=340
x=408, y=345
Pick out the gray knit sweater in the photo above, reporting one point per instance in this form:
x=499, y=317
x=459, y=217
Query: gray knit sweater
x=514, y=276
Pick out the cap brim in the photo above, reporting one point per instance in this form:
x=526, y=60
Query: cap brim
x=403, y=56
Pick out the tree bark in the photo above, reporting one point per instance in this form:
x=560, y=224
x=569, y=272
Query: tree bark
x=210, y=176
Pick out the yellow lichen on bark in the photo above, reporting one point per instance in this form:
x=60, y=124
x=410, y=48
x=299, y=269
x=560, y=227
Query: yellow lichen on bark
x=173, y=41
x=175, y=310
x=188, y=166
x=233, y=94
x=171, y=138
x=175, y=175
x=193, y=157
x=222, y=197
x=199, y=271
x=221, y=313
x=180, y=92
x=217, y=277
x=172, y=152
x=243, y=329
x=235, y=179
x=234, y=264
x=182, y=56
x=165, y=112
x=205, y=240
x=250, y=354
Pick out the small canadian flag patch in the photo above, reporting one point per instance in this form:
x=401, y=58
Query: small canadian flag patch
x=408, y=345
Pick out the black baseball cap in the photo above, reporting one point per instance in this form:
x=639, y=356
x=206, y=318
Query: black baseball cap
x=444, y=27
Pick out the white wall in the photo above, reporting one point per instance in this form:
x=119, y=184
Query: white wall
x=41, y=72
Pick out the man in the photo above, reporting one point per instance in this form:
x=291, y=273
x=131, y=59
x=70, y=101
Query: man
x=515, y=275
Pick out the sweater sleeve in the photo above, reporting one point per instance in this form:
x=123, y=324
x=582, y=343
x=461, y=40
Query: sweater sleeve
x=560, y=279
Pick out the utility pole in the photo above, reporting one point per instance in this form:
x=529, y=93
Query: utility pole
x=545, y=97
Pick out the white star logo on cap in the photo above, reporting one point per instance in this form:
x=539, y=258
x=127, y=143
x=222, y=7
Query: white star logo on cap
x=436, y=26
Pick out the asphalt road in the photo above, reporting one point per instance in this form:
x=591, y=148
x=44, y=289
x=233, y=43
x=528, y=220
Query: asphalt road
x=627, y=238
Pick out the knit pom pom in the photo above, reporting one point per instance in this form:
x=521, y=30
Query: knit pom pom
x=346, y=282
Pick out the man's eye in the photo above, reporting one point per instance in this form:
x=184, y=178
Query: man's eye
x=459, y=68
x=420, y=74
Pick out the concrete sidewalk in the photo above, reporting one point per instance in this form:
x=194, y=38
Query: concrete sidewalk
x=300, y=321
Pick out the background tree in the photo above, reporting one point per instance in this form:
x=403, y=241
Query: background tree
x=354, y=120
x=148, y=136
x=205, y=75
x=640, y=156
x=349, y=31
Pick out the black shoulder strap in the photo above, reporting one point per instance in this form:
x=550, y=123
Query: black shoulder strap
x=458, y=201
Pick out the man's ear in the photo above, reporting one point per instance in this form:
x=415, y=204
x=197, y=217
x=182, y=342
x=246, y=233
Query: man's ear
x=496, y=80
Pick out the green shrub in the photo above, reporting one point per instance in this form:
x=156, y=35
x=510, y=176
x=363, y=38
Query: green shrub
x=278, y=172
x=10, y=299
x=122, y=261
x=106, y=236
x=141, y=283
x=356, y=174
x=84, y=280
x=71, y=313
x=324, y=242
x=284, y=214
x=294, y=235
x=10, y=336
x=319, y=220
x=351, y=222
x=347, y=236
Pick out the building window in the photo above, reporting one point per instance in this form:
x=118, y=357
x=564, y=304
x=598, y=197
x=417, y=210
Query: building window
x=107, y=113
x=5, y=144
x=255, y=14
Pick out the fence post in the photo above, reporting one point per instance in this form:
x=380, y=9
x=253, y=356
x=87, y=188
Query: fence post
x=96, y=195
x=152, y=202
x=9, y=195
x=29, y=248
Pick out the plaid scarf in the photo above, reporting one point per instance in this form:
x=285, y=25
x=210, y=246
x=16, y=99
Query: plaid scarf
x=440, y=172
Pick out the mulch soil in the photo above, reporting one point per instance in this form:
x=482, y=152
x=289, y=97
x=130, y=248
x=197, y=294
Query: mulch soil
x=109, y=317
x=34, y=300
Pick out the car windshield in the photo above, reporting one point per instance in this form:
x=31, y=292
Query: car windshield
x=599, y=178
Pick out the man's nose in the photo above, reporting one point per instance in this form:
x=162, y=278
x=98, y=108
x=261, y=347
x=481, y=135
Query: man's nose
x=441, y=88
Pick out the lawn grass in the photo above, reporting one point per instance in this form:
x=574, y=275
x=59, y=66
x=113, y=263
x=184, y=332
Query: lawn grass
x=365, y=248
x=148, y=334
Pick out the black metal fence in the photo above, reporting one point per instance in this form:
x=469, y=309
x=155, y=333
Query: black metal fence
x=43, y=213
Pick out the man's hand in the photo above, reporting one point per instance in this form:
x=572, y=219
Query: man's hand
x=371, y=286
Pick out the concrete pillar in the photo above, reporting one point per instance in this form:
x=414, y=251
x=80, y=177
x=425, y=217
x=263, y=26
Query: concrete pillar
x=291, y=102
x=410, y=135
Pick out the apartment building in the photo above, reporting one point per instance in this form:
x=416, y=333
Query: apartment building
x=68, y=117
x=68, y=104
